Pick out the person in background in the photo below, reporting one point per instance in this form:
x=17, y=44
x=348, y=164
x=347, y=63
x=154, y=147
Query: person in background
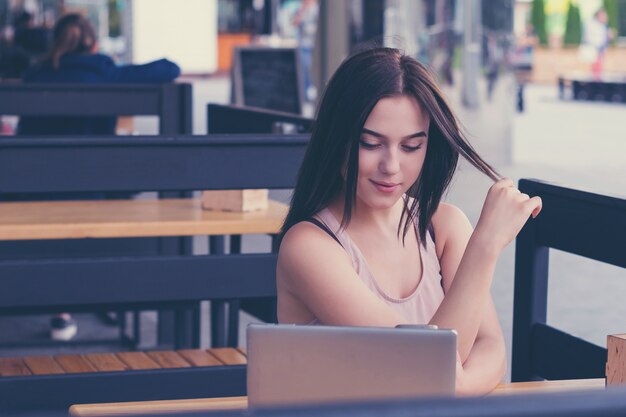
x=367, y=240
x=73, y=59
x=523, y=62
x=597, y=36
x=305, y=21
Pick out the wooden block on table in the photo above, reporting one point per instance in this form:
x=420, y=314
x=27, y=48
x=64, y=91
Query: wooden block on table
x=616, y=359
x=235, y=200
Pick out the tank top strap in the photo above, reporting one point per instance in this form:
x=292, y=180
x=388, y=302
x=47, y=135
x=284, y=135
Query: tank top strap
x=325, y=228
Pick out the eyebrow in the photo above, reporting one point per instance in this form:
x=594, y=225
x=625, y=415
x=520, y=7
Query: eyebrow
x=419, y=134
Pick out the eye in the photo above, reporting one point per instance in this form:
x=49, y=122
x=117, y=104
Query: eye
x=366, y=145
x=409, y=148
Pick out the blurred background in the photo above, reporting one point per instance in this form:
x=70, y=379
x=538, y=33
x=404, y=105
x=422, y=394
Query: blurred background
x=509, y=68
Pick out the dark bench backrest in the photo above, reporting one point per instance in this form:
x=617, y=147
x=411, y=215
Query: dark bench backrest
x=238, y=119
x=150, y=163
x=573, y=221
x=170, y=102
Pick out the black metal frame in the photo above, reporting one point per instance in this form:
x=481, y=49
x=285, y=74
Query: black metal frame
x=241, y=119
x=577, y=222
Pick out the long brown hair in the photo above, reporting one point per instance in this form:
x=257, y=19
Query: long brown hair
x=73, y=34
x=353, y=91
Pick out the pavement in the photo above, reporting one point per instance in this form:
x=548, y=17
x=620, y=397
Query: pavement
x=578, y=144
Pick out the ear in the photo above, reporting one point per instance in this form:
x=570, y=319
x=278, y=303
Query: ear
x=95, y=47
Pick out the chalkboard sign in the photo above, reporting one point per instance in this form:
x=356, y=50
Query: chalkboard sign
x=268, y=78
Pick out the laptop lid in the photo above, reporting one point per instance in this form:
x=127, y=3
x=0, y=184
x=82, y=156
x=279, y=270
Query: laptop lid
x=290, y=364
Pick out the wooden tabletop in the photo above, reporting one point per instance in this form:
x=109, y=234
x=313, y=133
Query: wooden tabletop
x=235, y=403
x=130, y=218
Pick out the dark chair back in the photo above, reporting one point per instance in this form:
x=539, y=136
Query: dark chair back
x=573, y=221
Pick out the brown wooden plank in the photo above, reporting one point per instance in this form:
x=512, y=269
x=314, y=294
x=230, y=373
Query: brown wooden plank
x=13, y=367
x=158, y=407
x=549, y=386
x=243, y=351
x=106, y=362
x=137, y=360
x=131, y=218
x=168, y=359
x=43, y=365
x=199, y=357
x=229, y=356
x=74, y=364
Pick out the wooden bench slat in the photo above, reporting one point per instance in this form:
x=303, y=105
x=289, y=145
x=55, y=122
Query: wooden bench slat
x=198, y=357
x=229, y=356
x=168, y=359
x=43, y=365
x=13, y=367
x=74, y=364
x=243, y=351
x=106, y=362
x=137, y=360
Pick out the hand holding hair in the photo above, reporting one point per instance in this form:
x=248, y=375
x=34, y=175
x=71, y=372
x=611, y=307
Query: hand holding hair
x=504, y=213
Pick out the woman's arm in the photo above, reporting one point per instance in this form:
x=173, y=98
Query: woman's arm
x=468, y=258
x=486, y=364
x=153, y=72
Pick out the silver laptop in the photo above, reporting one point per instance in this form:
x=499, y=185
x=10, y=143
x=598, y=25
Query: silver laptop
x=290, y=364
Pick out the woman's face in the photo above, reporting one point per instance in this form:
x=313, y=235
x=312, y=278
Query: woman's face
x=392, y=149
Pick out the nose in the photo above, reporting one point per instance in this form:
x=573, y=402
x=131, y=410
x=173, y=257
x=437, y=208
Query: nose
x=390, y=162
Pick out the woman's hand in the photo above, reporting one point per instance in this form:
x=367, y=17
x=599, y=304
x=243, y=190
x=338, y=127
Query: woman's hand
x=504, y=213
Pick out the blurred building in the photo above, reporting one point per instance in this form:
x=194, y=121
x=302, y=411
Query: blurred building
x=466, y=43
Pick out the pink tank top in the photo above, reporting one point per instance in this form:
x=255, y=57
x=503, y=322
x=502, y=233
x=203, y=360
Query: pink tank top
x=421, y=305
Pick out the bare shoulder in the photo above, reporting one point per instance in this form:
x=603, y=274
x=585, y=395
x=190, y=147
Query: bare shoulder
x=305, y=235
x=306, y=247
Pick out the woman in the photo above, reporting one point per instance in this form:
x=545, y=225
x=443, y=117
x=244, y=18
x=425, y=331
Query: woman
x=74, y=58
x=367, y=241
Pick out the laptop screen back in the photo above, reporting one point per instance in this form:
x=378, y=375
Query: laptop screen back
x=290, y=364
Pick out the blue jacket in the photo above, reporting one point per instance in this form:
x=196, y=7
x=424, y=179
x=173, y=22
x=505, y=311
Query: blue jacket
x=89, y=69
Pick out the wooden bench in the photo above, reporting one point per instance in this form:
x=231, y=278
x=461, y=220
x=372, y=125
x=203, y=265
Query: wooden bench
x=25, y=382
x=120, y=361
x=154, y=164
x=157, y=164
x=170, y=102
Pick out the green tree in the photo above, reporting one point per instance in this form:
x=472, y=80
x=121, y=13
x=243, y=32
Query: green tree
x=613, y=13
x=538, y=20
x=573, y=27
x=115, y=19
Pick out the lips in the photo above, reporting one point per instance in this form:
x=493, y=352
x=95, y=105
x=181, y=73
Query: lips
x=385, y=187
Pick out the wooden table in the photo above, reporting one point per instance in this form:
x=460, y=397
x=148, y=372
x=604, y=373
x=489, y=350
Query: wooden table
x=42, y=220
x=238, y=403
x=130, y=218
